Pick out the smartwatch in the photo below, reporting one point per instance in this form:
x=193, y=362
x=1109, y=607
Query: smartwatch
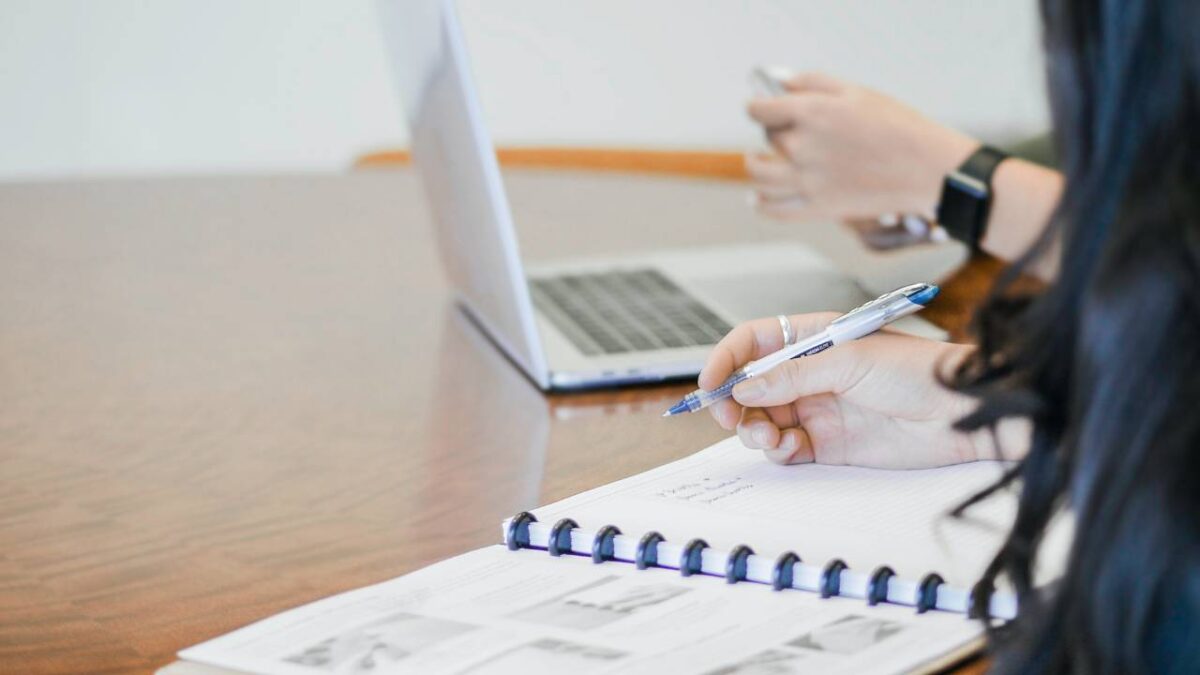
x=967, y=196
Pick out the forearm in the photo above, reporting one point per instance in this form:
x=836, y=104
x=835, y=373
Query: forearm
x=850, y=152
x=1024, y=197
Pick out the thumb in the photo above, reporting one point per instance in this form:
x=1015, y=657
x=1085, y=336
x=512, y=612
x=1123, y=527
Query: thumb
x=833, y=371
x=772, y=113
x=814, y=82
x=793, y=205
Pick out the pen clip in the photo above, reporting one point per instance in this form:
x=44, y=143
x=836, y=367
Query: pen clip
x=870, y=304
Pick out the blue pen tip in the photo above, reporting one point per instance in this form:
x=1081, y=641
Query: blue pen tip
x=676, y=409
x=925, y=295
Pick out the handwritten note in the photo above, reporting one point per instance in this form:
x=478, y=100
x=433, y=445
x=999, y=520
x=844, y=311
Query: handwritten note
x=706, y=490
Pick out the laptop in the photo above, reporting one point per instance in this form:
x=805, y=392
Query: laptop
x=579, y=324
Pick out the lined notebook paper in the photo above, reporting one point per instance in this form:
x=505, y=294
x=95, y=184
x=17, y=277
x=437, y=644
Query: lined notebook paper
x=568, y=593
x=868, y=517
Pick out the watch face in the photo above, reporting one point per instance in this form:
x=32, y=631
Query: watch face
x=961, y=182
x=964, y=206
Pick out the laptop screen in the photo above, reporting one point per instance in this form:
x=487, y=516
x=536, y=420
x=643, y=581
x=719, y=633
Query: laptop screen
x=457, y=164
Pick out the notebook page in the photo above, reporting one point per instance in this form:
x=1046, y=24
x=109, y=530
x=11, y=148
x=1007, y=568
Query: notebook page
x=494, y=611
x=730, y=495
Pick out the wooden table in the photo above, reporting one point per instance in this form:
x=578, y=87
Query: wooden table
x=223, y=397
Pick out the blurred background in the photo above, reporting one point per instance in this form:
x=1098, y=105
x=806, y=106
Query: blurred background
x=130, y=87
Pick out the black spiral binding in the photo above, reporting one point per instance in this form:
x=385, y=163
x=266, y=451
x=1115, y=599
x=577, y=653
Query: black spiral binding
x=517, y=536
x=927, y=592
x=602, y=545
x=977, y=600
x=781, y=574
x=647, y=550
x=831, y=578
x=690, y=561
x=735, y=565
x=560, y=537
x=877, y=588
x=646, y=555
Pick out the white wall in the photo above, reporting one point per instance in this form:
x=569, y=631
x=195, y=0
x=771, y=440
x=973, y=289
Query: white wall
x=126, y=86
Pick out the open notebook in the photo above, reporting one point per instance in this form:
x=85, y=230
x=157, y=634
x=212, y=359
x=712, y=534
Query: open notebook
x=718, y=563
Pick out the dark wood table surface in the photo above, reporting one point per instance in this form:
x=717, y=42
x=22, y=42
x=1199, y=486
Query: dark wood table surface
x=222, y=397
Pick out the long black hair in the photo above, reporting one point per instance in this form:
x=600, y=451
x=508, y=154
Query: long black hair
x=1106, y=361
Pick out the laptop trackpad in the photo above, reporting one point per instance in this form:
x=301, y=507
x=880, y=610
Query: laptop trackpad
x=751, y=296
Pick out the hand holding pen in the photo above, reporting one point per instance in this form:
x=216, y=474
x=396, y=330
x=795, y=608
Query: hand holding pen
x=860, y=321
x=871, y=402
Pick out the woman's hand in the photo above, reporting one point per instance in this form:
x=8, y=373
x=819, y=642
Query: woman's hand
x=846, y=151
x=871, y=402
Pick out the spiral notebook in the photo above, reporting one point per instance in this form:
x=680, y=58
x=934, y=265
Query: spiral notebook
x=719, y=563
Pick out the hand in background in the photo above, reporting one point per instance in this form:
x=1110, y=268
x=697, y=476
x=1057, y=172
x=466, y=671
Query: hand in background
x=845, y=151
x=873, y=402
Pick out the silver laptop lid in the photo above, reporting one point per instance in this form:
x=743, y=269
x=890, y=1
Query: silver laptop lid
x=457, y=164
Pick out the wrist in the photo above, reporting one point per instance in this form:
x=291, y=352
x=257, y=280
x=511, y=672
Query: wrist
x=941, y=157
x=970, y=446
x=1009, y=441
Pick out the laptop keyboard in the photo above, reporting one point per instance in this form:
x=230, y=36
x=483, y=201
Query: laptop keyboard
x=625, y=311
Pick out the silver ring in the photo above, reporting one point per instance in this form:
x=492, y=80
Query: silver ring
x=789, y=335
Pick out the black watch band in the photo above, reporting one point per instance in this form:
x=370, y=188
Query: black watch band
x=967, y=196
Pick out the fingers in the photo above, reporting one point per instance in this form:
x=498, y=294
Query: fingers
x=756, y=430
x=795, y=447
x=773, y=113
x=775, y=431
x=795, y=208
x=806, y=94
x=770, y=171
x=834, y=371
x=726, y=413
x=815, y=82
x=746, y=342
x=778, y=187
x=752, y=340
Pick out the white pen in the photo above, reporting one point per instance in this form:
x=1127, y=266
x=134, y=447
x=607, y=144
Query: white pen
x=852, y=325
